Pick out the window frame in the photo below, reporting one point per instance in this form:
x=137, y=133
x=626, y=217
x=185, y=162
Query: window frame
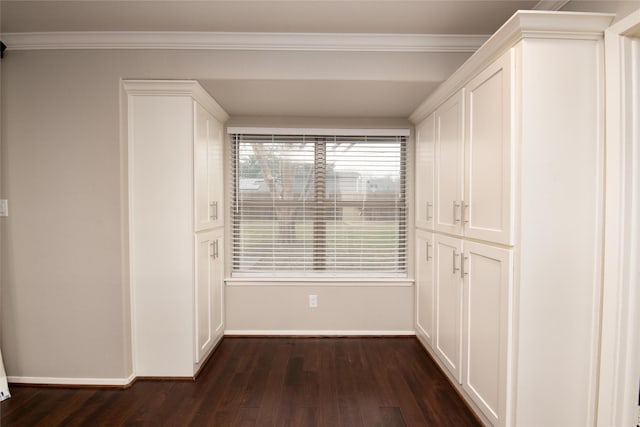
x=402, y=276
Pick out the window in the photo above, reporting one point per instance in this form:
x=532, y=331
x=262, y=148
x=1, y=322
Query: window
x=309, y=203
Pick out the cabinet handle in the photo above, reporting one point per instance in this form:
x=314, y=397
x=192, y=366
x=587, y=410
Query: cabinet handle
x=456, y=205
x=454, y=262
x=428, y=246
x=213, y=215
x=429, y=206
x=462, y=260
x=464, y=207
x=213, y=249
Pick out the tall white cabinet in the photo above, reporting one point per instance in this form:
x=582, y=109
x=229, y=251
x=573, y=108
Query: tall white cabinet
x=176, y=225
x=516, y=138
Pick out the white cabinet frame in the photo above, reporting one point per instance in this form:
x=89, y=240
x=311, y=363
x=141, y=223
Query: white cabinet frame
x=176, y=296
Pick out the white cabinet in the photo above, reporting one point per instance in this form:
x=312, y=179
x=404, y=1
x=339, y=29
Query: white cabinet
x=208, y=165
x=449, y=163
x=488, y=153
x=425, y=172
x=448, y=303
x=488, y=279
x=518, y=225
x=425, y=290
x=472, y=287
x=174, y=174
x=209, y=291
x=473, y=177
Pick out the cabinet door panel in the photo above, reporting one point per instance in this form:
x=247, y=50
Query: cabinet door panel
x=202, y=203
x=204, y=294
x=202, y=210
x=488, y=154
x=424, y=285
x=215, y=172
x=425, y=173
x=209, y=291
x=218, y=287
x=208, y=172
x=487, y=294
x=448, y=281
x=449, y=150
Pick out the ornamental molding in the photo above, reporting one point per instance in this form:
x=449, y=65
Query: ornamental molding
x=327, y=42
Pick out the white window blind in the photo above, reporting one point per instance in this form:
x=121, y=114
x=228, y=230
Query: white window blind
x=319, y=205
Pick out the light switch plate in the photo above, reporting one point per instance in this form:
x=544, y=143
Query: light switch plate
x=4, y=207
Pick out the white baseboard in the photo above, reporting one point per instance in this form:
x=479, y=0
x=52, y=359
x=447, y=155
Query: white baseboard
x=317, y=333
x=108, y=382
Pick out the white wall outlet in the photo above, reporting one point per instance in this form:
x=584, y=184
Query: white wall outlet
x=4, y=207
x=313, y=301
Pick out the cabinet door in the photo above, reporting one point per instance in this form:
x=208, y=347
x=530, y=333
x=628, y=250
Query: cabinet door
x=208, y=174
x=203, y=211
x=215, y=175
x=425, y=173
x=204, y=293
x=209, y=292
x=218, y=286
x=488, y=282
x=488, y=210
x=448, y=283
x=424, y=285
x=449, y=151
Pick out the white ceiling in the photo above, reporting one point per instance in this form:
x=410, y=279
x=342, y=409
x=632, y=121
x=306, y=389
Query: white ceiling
x=319, y=98
x=365, y=89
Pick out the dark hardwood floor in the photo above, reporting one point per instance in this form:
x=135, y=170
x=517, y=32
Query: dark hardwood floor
x=267, y=382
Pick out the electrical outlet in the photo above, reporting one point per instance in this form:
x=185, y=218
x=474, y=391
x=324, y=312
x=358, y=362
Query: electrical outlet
x=4, y=207
x=313, y=301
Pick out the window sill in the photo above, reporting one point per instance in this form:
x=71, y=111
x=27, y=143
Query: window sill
x=319, y=281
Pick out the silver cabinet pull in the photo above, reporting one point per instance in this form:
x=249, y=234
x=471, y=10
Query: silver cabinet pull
x=428, y=257
x=456, y=205
x=213, y=211
x=212, y=251
x=464, y=207
x=462, y=260
x=429, y=206
x=454, y=262
x=216, y=251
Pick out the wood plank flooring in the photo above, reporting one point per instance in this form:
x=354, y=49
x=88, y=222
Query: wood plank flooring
x=267, y=382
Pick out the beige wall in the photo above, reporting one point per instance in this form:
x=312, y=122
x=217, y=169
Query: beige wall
x=351, y=309
x=65, y=311
x=62, y=310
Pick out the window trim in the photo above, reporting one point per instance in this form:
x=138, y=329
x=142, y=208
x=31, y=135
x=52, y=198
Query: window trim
x=318, y=131
x=361, y=281
x=331, y=278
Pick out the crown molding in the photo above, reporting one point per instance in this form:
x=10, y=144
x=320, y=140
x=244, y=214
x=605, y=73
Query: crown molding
x=176, y=88
x=522, y=25
x=331, y=42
